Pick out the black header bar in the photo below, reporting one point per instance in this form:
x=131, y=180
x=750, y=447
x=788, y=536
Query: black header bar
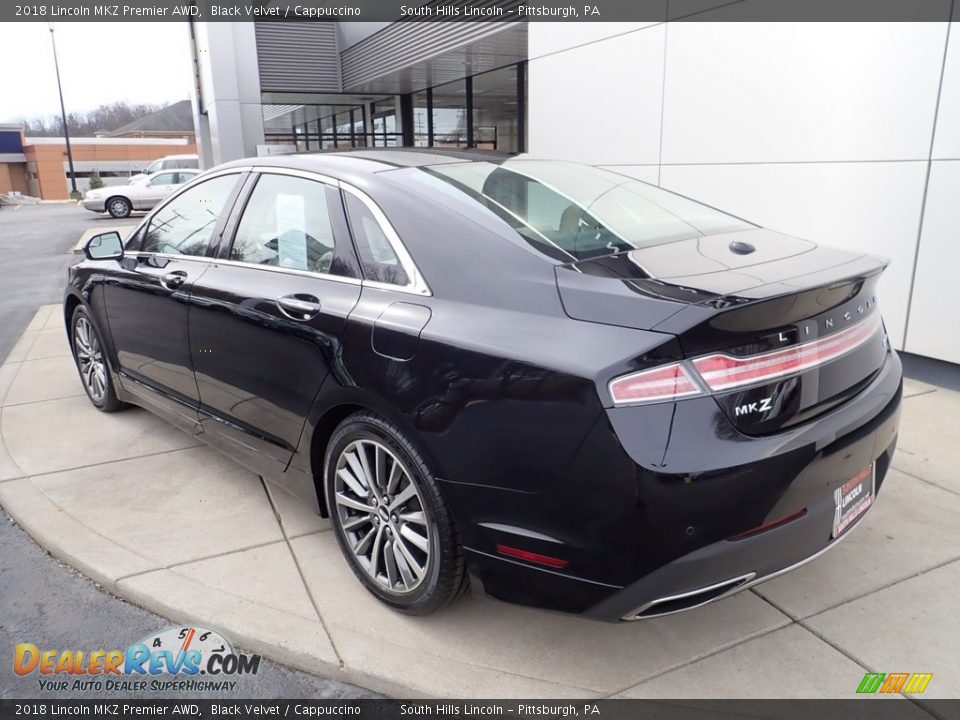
x=651, y=11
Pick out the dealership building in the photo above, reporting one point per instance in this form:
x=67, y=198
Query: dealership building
x=843, y=133
x=40, y=166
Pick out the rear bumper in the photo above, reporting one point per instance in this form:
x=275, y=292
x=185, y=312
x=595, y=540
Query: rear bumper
x=646, y=537
x=729, y=566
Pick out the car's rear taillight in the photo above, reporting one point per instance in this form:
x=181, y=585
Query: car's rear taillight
x=667, y=382
x=720, y=371
x=724, y=372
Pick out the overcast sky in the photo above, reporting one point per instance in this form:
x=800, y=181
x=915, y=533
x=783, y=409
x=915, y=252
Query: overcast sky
x=99, y=63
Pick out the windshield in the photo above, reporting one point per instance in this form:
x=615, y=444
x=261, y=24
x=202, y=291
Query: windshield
x=576, y=212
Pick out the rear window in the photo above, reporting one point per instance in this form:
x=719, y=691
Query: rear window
x=575, y=212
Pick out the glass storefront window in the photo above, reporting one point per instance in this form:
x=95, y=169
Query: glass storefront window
x=421, y=120
x=440, y=116
x=495, y=110
x=359, y=138
x=327, y=130
x=344, y=129
x=450, y=115
x=306, y=121
x=383, y=117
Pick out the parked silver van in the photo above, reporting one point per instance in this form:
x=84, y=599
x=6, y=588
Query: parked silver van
x=169, y=162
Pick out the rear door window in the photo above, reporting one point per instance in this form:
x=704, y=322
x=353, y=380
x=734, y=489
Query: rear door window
x=377, y=257
x=287, y=223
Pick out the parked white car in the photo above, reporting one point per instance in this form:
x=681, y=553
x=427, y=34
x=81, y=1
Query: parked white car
x=121, y=200
x=169, y=162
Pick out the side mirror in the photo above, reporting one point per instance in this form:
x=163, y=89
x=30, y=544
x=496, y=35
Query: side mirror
x=105, y=246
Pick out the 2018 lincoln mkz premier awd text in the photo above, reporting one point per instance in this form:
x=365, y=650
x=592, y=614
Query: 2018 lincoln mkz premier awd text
x=578, y=390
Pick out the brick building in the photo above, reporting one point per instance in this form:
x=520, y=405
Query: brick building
x=39, y=167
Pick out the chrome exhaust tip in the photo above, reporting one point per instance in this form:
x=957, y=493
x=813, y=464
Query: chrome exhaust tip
x=692, y=599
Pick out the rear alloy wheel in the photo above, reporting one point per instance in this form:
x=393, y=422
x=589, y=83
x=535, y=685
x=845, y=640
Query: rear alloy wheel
x=119, y=207
x=389, y=518
x=91, y=362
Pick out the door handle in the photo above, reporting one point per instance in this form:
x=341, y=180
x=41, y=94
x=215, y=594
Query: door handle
x=299, y=307
x=173, y=280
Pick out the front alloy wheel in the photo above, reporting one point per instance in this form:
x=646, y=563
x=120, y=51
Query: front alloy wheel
x=389, y=519
x=91, y=363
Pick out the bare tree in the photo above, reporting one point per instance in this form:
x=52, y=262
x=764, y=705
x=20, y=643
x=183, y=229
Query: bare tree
x=105, y=118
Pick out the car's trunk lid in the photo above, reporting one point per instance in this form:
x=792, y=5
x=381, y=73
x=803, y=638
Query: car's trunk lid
x=742, y=294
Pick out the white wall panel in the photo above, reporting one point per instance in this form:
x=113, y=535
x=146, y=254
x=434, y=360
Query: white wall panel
x=647, y=173
x=947, y=142
x=934, y=329
x=550, y=37
x=599, y=103
x=763, y=92
x=871, y=207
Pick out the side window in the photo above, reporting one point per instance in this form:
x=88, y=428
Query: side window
x=134, y=243
x=286, y=223
x=377, y=257
x=185, y=225
x=165, y=179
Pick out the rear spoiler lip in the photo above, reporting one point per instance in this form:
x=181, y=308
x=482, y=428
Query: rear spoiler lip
x=681, y=321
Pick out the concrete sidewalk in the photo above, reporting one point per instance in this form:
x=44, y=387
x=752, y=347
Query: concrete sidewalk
x=139, y=507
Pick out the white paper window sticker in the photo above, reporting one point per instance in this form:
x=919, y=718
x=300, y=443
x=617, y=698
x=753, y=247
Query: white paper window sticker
x=291, y=231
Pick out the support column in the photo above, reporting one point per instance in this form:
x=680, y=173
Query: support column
x=226, y=92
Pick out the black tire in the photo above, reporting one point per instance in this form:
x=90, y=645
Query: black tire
x=443, y=571
x=118, y=207
x=87, y=347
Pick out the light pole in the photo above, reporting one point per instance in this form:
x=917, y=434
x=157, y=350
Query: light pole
x=75, y=194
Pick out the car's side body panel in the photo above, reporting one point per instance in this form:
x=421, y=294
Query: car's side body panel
x=258, y=365
x=258, y=370
x=159, y=358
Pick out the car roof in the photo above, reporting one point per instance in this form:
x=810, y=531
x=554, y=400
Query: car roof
x=416, y=157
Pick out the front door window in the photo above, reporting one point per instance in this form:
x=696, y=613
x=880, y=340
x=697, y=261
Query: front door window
x=185, y=225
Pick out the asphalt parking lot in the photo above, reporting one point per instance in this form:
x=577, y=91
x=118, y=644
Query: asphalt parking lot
x=172, y=526
x=34, y=257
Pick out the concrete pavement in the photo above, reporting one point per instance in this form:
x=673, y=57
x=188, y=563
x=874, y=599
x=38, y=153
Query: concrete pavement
x=141, y=509
x=45, y=613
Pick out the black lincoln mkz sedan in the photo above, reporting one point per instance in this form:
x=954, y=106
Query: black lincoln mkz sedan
x=579, y=390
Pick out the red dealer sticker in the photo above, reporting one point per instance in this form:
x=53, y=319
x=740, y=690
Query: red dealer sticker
x=853, y=499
